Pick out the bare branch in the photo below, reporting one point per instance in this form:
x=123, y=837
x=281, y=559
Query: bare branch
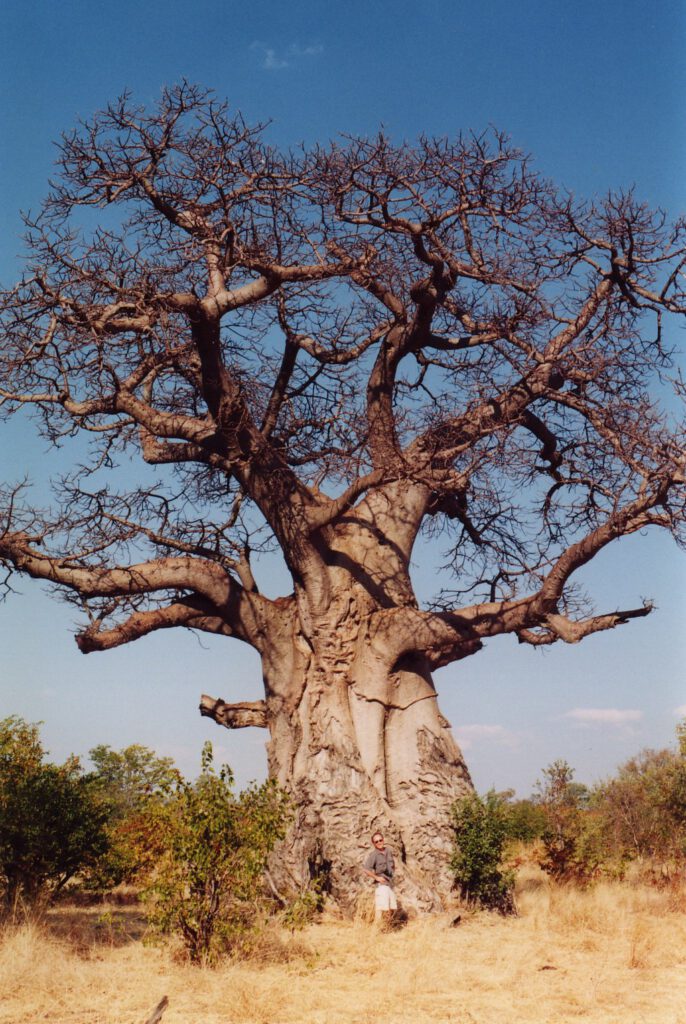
x=234, y=716
x=351, y=341
x=139, y=624
x=560, y=627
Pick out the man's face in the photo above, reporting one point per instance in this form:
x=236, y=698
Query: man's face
x=377, y=839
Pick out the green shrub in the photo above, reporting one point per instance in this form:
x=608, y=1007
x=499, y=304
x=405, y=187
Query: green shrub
x=209, y=882
x=481, y=832
x=132, y=785
x=303, y=907
x=526, y=820
x=643, y=807
x=573, y=839
x=52, y=825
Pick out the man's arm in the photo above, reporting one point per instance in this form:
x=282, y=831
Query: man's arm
x=368, y=869
x=377, y=878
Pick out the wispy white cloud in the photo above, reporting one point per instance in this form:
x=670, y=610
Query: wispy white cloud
x=276, y=60
x=680, y=712
x=271, y=62
x=305, y=51
x=604, y=716
x=468, y=735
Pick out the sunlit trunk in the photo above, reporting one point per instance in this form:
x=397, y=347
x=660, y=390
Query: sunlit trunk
x=361, y=745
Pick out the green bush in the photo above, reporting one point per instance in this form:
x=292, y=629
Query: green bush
x=526, y=820
x=209, y=881
x=303, y=907
x=573, y=839
x=52, y=825
x=132, y=785
x=643, y=807
x=481, y=831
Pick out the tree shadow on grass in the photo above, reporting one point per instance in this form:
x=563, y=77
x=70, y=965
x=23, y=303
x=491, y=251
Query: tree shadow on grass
x=104, y=924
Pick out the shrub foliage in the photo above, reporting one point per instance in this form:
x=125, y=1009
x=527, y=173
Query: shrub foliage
x=132, y=785
x=642, y=809
x=569, y=849
x=201, y=850
x=52, y=824
x=208, y=885
x=481, y=831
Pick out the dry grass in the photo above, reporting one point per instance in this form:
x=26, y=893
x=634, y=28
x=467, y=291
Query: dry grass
x=616, y=953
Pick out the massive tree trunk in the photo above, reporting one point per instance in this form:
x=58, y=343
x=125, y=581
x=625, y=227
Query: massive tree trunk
x=361, y=745
x=362, y=748
x=356, y=735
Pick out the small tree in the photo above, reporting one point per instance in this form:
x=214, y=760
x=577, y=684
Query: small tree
x=481, y=832
x=643, y=807
x=132, y=784
x=573, y=843
x=209, y=883
x=51, y=824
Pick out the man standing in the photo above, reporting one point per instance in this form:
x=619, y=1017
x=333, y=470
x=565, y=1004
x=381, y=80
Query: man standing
x=380, y=866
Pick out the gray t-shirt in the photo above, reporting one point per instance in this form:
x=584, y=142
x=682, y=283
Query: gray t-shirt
x=381, y=863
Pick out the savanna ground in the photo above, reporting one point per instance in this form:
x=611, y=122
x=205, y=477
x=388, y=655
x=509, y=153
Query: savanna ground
x=613, y=953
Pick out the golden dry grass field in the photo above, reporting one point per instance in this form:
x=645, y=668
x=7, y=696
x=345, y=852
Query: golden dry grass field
x=615, y=954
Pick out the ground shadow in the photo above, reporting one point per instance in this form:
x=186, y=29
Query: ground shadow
x=103, y=924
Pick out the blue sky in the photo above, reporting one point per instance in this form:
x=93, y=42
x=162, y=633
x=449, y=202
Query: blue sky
x=595, y=92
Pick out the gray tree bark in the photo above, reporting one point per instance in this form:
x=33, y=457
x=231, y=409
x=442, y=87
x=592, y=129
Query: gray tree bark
x=356, y=735
x=360, y=745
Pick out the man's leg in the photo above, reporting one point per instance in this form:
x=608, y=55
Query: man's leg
x=391, y=907
x=379, y=903
x=384, y=904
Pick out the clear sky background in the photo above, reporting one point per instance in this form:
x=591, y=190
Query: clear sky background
x=596, y=92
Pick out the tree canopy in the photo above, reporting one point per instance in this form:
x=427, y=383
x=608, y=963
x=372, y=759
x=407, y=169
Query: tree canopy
x=292, y=331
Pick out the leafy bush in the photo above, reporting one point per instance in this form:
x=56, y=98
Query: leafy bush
x=643, y=807
x=132, y=785
x=573, y=839
x=481, y=832
x=51, y=823
x=208, y=886
x=526, y=820
x=303, y=906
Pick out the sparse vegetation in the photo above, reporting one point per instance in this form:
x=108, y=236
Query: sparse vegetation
x=208, y=884
x=611, y=954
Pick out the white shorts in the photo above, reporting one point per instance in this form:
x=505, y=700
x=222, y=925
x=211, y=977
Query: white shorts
x=384, y=898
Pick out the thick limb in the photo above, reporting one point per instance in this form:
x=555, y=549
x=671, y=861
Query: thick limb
x=239, y=715
x=218, y=603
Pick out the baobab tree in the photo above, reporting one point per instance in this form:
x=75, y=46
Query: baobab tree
x=329, y=351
